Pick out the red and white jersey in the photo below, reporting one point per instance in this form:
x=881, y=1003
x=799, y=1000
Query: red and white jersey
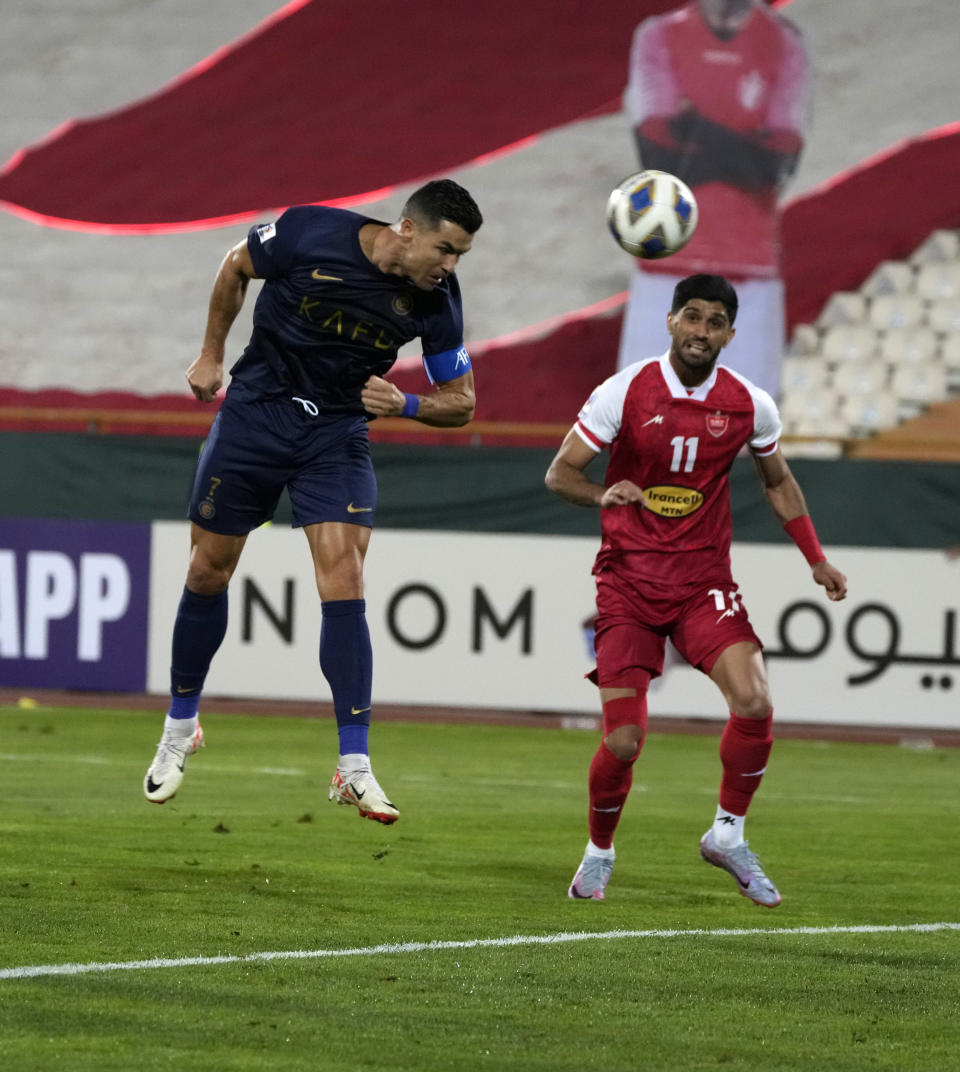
x=755, y=83
x=678, y=445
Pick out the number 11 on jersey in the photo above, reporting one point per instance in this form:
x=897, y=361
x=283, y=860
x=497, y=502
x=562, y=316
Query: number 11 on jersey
x=683, y=447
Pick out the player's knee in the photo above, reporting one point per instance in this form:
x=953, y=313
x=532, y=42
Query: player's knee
x=625, y=723
x=751, y=702
x=345, y=581
x=207, y=578
x=625, y=743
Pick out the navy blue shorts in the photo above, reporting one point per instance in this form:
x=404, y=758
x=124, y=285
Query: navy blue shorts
x=256, y=449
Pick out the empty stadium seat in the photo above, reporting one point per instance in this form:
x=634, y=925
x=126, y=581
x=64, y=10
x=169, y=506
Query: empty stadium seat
x=939, y=281
x=949, y=350
x=909, y=346
x=813, y=409
x=950, y=356
x=868, y=413
x=944, y=317
x=920, y=385
x=843, y=307
x=849, y=342
x=939, y=246
x=859, y=378
x=805, y=340
x=890, y=277
x=831, y=426
x=890, y=311
x=803, y=374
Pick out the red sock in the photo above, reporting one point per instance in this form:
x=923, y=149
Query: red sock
x=744, y=750
x=610, y=781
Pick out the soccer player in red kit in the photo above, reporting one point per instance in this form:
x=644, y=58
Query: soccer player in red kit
x=674, y=425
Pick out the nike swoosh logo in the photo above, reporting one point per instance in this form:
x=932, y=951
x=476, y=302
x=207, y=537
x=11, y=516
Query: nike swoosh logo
x=152, y=786
x=317, y=274
x=351, y=509
x=358, y=794
x=182, y=691
x=358, y=710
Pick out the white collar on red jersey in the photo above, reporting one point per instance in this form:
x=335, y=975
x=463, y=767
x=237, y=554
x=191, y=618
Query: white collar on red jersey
x=677, y=389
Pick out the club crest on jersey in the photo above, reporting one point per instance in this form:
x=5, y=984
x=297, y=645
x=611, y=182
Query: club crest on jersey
x=717, y=423
x=402, y=304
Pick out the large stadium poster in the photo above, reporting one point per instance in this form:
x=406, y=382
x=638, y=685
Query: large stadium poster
x=504, y=621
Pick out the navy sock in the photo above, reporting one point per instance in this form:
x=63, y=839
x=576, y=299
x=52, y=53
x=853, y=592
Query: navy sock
x=346, y=659
x=198, y=632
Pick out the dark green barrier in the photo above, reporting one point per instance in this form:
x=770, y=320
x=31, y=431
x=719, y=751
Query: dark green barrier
x=477, y=489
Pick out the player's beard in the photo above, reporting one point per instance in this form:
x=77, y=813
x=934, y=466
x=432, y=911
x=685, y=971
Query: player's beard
x=699, y=361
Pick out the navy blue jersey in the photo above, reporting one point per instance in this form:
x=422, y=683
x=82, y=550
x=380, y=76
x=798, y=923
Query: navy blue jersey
x=327, y=319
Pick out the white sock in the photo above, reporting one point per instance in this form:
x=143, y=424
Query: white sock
x=354, y=761
x=180, y=727
x=595, y=850
x=728, y=829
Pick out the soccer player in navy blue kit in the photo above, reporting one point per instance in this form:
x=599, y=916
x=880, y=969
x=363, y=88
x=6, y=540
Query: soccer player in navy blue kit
x=341, y=294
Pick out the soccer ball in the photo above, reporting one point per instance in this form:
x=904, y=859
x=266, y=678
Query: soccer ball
x=652, y=214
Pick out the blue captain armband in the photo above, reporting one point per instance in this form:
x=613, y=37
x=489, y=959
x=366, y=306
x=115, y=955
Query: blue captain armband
x=447, y=366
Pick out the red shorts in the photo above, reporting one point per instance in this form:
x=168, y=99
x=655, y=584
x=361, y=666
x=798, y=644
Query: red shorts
x=635, y=617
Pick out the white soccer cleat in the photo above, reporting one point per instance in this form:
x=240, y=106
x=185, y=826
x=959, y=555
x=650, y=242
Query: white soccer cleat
x=590, y=881
x=166, y=772
x=362, y=790
x=745, y=867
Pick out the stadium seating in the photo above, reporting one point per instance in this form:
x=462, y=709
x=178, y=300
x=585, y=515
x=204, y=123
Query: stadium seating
x=889, y=277
x=939, y=282
x=843, y=307
x=849, y=342
x=800, y=374
x=903, y=346
x=860, y=377
x=896, y=311
x=918, y=386
x=882, y=355
x=869, y=412
x=813, y=414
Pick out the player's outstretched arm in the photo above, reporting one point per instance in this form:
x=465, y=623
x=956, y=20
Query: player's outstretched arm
x=205, y=375
x=787, y=501
x=450, y=406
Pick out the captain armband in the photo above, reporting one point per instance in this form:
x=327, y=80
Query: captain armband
x=804, y=535
x=447, y=366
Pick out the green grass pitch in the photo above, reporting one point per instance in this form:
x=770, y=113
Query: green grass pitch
x=250, y=859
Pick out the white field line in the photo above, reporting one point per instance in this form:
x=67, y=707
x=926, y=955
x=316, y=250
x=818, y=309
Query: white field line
x=769, y=794
x=102, y=761
x=392, y=949
x=298, y=772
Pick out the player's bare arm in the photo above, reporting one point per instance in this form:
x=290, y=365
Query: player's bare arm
x=566, y=478
x=450, y=406
x=787, y=502
x=205, y=375
x=780, y=487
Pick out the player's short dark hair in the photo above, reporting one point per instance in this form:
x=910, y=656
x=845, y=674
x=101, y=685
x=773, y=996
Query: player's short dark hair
x=706, y=288
x=443, y=199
